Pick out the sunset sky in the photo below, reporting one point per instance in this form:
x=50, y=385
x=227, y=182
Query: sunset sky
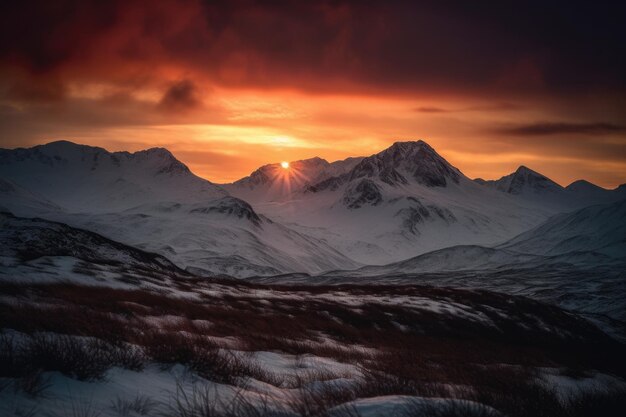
x=228, y=86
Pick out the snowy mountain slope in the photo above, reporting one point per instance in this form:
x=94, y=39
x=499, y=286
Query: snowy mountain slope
x=480, y=258
x=37, y=250
x=231, y=265
x=273, y=182
x=16, y=198
x=27, y=239
x=86, y=178
x=401, y=202
x=455, y=258
x=224, y=236
x=593, y=236
x=599, y=228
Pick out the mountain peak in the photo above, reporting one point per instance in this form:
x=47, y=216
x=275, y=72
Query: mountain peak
x=583, y=185
x=274, y=181
x=525, y=180
x=67, y=147
x=408, y=144
x=157, y=151
x=409, y=147
x=403, y=161
x=62, y=142
x=314, y=160
x=525, y=171
x=162, y=159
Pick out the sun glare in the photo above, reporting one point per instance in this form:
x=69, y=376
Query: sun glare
x=284, y=164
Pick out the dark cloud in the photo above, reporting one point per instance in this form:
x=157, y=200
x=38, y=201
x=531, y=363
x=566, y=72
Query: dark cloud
x=36, y=90
x=504, y=106
x=557, y=128
x=430, y=110
x=501, y=106
x=436, y=45
x=181, y=96
x=43, y=35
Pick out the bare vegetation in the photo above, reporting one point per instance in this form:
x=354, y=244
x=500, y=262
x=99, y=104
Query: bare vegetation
x=488, y=364
x=206, y=401
x=140, y=404
x=80, y=358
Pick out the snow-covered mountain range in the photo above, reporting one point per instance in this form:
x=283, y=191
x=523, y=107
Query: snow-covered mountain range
x=533, y=186
x=152, y=201
x=408, y=200
x=90, y=179
x=311, y=217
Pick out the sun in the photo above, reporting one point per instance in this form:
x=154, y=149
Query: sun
x=284, y=164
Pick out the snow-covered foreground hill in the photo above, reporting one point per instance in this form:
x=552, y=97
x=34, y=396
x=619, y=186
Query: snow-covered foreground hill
x=160, y=341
